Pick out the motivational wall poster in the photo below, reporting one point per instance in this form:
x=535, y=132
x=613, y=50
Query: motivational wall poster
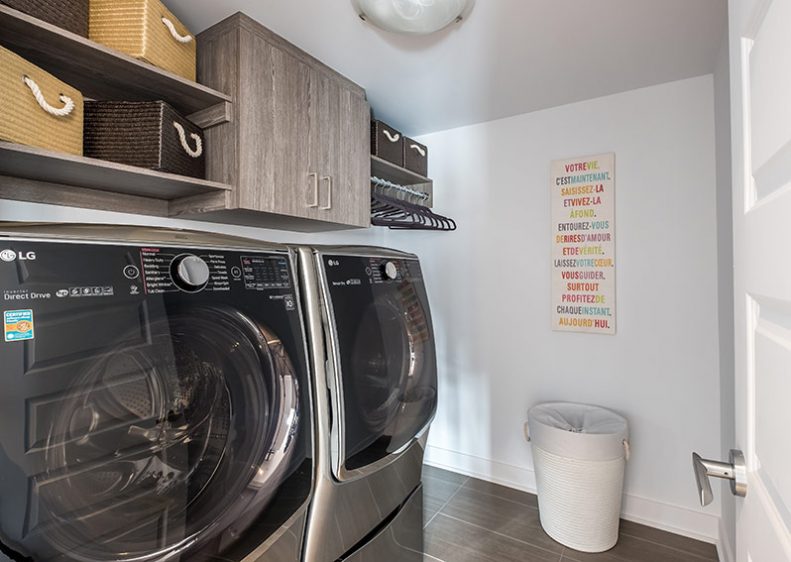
x=583, y=244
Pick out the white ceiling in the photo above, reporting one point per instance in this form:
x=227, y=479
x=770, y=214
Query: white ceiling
x=510, y=57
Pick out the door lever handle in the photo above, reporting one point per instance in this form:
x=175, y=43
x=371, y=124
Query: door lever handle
x=735, y=470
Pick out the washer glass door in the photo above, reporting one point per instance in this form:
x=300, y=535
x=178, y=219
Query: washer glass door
x=176, y=434
x=387, y=357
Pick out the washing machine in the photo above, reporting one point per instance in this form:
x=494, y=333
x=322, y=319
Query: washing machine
x=156, y=400
x=375, y=371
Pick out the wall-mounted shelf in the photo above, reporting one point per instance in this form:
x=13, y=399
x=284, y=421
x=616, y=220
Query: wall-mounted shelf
x=64, y=170
x=386, y=170
x=103, y=73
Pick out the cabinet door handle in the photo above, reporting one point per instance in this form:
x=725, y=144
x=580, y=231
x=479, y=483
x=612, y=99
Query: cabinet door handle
x=315, y=202
x=328, y=179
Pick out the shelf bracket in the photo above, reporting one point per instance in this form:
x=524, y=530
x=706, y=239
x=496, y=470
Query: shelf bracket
x=212, y=116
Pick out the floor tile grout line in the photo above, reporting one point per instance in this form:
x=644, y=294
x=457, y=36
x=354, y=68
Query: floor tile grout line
x=499, y=534
x=446, y=480
x=468, y=549
x=444, y=505
x=500, y=497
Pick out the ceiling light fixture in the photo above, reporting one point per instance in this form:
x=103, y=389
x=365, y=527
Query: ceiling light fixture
x=416, y=17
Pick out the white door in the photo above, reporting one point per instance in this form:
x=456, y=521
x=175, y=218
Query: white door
x=760, y=51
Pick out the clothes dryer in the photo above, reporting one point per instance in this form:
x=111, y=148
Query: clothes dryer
x=372, y=343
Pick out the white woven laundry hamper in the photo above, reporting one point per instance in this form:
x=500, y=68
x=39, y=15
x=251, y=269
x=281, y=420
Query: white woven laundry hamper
x=580, y=454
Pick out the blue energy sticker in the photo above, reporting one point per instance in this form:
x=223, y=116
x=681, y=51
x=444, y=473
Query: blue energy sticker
x=18, y=325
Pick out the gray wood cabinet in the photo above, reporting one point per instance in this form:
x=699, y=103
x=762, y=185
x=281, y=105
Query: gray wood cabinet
x=296, y=150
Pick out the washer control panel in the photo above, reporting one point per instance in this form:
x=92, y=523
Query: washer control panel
x=169, y=270
x=265, y=272
x=190, y=273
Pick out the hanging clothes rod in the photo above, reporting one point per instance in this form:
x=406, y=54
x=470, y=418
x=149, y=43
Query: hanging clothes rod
x=402, y=188
x=400, y=214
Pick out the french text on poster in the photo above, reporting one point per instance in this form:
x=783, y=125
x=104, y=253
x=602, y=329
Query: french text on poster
x=583, y=244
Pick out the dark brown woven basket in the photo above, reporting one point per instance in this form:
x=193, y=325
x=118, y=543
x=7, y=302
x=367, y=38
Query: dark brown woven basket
x=387, y=143
x=142, y=134
x=415, y=156
x=71, y=15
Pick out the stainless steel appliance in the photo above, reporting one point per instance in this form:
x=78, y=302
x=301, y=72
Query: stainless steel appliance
x=376, y=378
x=155, y=402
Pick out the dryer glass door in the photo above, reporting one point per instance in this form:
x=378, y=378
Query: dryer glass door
x=138, y=428
x=385, y=344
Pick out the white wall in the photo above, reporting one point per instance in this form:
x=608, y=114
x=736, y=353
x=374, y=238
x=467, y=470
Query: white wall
x=490, y=288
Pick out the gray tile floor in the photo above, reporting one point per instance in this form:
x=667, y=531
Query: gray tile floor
x=469, y=520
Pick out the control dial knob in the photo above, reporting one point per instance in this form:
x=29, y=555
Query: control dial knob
x=190, y=273
x=390, y=270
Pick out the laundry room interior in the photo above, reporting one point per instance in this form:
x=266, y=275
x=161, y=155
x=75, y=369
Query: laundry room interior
x=395, y=280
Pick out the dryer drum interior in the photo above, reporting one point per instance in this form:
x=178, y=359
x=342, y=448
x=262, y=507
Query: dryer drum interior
x=160, y=447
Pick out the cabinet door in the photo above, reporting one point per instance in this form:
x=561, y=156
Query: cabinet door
x=328, y=103
x=346, y=195
x=297, y=123
x=354, y=176
x=278, y=123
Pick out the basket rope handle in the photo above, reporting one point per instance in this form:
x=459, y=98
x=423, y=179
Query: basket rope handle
x=68, y=103
x=391, y=137
x=185, y=145
x=176, y=35
x=419, y=149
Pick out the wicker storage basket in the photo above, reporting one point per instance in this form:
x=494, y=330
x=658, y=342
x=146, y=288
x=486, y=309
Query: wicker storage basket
x=36, y=108
x=415, y=156
x=387, y=143
x=144, y=29
x=71, y=15
x=579, y=454
x=148, y=134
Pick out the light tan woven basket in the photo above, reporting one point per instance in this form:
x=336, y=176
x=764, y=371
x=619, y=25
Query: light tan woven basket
x=36, y=108
x=144, y=29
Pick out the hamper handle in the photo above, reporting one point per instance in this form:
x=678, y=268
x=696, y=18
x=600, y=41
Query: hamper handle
x=183, y=138
x=391, y=137
x=419, y=149
x=627, y=449
x=527, y=432
x=68, y=103
x=176, y=35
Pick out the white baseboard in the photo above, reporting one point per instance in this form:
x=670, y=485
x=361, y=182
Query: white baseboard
x=672, y=518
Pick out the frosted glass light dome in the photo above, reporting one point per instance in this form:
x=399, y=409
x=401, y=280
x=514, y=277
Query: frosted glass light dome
x=419, y=17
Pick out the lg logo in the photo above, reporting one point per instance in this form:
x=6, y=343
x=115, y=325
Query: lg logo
x=11, y=255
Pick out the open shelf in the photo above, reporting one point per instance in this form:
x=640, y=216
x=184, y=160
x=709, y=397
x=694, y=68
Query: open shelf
x=31, y=163
x=397, y=174
x=100, y=72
